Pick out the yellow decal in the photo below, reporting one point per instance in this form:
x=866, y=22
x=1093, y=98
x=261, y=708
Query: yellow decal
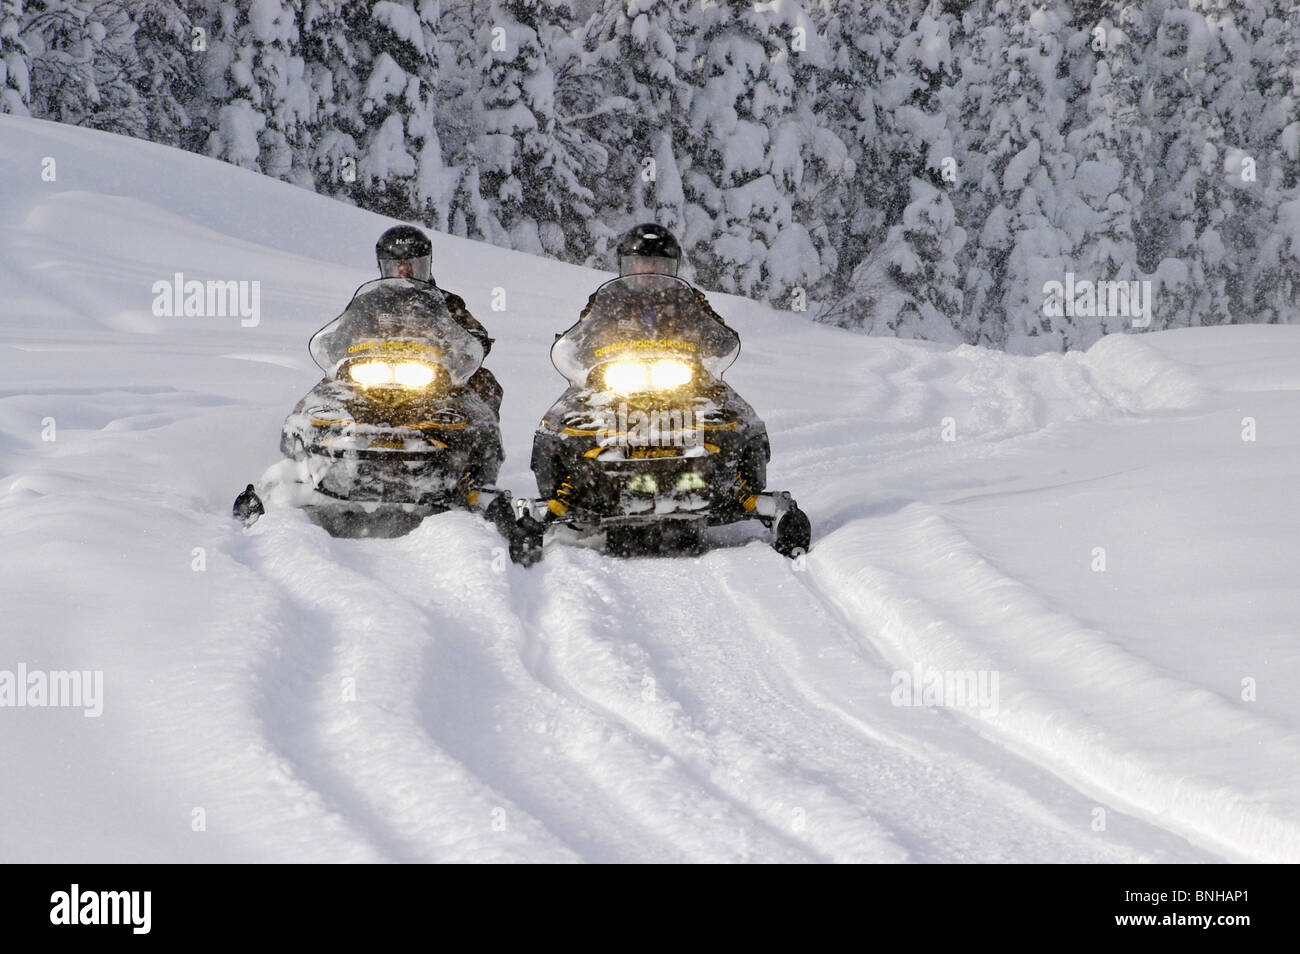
x=646, y=344
x=394, y=346
x=652, y=452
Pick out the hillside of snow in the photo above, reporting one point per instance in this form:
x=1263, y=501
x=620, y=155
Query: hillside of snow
x=1111, y=534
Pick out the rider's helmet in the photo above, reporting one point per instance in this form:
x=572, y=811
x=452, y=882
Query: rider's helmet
x=648, y=249
x=405, y=252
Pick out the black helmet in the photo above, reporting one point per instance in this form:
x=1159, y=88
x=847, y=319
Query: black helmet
x=405, y=252
x=648, y=248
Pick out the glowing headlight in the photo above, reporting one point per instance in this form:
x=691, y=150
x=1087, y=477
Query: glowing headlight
x=406, y=374
x=626, y=377
x=667, y=374
x=369, y=373
x=413, y=374
x=631, y=377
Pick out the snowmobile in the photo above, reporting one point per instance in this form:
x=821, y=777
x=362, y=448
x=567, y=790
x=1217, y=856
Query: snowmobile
x=391, y=434
x=648, y=444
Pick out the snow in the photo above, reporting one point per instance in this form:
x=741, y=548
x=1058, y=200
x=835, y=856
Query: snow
x=930, y=45
x=1288, y=216
x=1290, y=141
x=1097, y=180
x=387, y=155
x=403, y=21
x=1019, y=168
x=266, y=17
x=421, y=699
x=387, y=79
x=238, y=127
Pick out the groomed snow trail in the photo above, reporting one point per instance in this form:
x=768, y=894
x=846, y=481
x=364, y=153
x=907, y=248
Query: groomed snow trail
x=277, y=694
x=621, y=710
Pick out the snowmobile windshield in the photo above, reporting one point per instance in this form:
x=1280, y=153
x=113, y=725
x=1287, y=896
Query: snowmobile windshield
x=644, y=318
x=402, y=318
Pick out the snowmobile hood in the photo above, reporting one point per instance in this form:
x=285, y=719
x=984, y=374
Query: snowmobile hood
x=398, y=317
x=644, y=317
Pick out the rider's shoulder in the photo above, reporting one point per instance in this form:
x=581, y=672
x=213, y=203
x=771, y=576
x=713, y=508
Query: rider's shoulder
x=591, y=300
x=455, y=304
x=703, y=299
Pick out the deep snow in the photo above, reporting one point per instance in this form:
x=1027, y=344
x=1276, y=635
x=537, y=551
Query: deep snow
x=729, y=707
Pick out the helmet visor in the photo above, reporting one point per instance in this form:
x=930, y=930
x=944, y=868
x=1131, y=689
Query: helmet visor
x=420, y=268
x=646, y=265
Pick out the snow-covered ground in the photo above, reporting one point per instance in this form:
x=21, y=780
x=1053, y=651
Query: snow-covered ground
x=299, y=697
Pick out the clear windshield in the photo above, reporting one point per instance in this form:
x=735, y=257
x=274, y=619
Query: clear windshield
x=398, y=316
x=644, y=317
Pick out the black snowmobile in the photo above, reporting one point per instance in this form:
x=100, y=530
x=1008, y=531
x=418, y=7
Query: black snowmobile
x=648, y=444
x=392, y=434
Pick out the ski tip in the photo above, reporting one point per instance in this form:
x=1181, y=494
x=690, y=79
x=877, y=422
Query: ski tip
x=247, y=507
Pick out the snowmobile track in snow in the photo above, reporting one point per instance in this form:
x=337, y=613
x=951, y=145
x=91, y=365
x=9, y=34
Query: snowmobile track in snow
x=620, y=710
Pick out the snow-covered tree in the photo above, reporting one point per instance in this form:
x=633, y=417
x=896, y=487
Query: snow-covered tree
x=1110, y=181
x=858, y=95
x=909, y=286
x=1275, y=280
x=261, y=104
x=890, y=159
x=977, y=193
x=1274, y=275
x=527, y=164
x=640, y=50
x=15, y=68
x=83, y=62
x=401, y=167
x=325, y=43
x=1185, y=210
x=750, y=135
x=1021, y=244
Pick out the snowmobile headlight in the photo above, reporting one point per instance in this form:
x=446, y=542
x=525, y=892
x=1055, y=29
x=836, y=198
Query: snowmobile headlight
x=633, y=377
x=626, y=377
x=413, y=374
x=404, y=374
x=669, y=373
x=371, y=373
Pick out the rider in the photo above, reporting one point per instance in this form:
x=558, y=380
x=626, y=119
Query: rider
x=650, y=249
x=646, y=249
x=406, y=252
